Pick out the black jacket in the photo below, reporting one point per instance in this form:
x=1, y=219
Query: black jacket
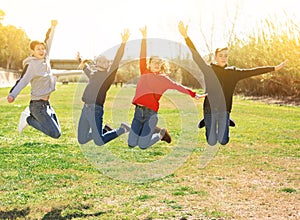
x=100, y=81
x=220, y=82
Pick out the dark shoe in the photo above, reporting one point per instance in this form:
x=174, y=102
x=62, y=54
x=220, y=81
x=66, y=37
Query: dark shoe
x=231, y=123
x=166, y=136
x=201, y=123
x=106, y=128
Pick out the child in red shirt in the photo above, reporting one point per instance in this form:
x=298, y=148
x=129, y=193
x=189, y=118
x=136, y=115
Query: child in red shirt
x=151, y=86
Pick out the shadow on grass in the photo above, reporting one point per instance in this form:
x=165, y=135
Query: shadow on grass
x=14, y=214
x=54, y=214
x=57, y=215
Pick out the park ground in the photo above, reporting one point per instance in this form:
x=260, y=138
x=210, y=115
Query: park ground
x=255, y=176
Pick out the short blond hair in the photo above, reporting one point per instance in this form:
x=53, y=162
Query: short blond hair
x=102, y=61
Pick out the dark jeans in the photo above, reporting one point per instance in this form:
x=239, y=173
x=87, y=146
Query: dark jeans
x=90, y=126
x=142, y=128
x=43, y=118
x=217, y=127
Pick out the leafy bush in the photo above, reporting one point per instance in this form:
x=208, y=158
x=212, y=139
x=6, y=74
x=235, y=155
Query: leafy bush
x=271, y=44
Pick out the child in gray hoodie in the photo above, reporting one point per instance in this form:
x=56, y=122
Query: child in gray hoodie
x=37, y=72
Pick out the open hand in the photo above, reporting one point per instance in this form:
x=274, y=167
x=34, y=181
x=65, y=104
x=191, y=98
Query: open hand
x=84, y=62
x=53, y=23
x=125, y=35
x=143, y=30
x=198, y=96
x=183, y=29
x=281, y=65
x=10, y=99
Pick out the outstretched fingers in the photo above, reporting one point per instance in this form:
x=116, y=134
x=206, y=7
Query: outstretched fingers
x=125, y=35
x=281, y=65
x=182, y=29
x=143, y=30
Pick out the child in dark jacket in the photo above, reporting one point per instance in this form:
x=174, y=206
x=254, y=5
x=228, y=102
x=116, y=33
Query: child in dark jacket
x=220, y=82
x=94, y=96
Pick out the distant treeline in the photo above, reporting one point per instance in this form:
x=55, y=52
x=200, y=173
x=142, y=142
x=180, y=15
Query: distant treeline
x=270, y=44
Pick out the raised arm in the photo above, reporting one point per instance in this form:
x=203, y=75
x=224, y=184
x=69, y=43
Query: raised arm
x=115, y=65
x=143, y=53
x=125, y=35
x=85, y=66
x=49, y=35
x=183, y=29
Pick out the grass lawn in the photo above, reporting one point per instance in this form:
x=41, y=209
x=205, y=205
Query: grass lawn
x=255, y=176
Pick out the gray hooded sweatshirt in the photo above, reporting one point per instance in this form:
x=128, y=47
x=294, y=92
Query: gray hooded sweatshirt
x=38, y=74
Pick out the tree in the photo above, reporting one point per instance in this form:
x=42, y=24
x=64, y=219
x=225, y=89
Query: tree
x=14, y=46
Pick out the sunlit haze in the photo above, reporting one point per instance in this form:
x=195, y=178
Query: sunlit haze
x=93, y=26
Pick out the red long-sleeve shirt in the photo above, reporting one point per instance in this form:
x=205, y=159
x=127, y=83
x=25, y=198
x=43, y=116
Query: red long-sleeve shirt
x=151, y=86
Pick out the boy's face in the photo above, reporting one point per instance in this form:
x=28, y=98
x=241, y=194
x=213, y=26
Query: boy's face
x=39, y=51
x=222, y=58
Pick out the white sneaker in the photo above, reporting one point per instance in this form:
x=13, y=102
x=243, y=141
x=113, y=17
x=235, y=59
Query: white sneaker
x=23, y=122
x=125, y=126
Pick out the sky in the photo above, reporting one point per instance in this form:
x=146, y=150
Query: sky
x=92, y=27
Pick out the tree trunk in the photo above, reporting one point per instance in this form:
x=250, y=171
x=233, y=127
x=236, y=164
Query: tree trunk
x=8, y=62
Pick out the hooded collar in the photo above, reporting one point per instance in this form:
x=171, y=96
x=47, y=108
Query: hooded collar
x=30, y=58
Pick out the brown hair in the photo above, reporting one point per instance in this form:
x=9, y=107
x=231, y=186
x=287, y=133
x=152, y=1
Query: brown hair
x=33, y=44
x=220, y=49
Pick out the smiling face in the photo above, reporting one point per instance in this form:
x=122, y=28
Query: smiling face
x=39, y=51
x=155, y=64
x=221, y=57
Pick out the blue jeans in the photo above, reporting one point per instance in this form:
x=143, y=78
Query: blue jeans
x=217, y=127
x=142, y=128
x=43, y=118
x=90, y=126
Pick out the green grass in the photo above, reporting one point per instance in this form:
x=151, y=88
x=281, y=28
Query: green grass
x=256, y=175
